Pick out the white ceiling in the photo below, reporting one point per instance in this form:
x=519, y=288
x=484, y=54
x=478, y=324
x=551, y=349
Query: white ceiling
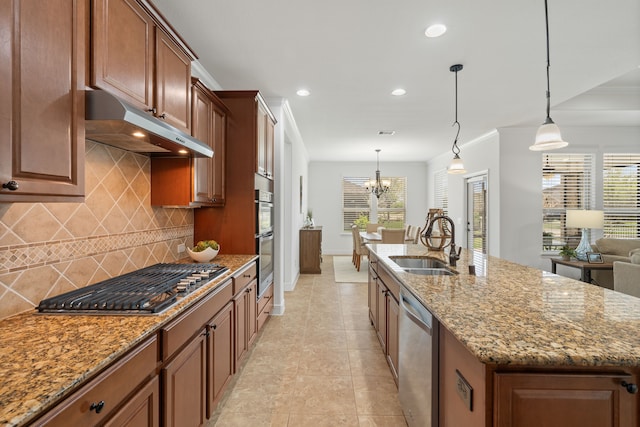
x=352, y=53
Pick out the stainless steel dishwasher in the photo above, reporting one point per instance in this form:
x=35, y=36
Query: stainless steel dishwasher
x=418, y=362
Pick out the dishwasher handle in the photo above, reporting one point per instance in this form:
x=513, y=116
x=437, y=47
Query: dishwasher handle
x=413, y=315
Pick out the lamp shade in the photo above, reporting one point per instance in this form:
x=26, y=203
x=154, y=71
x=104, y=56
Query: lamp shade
x=548, y=137
x=456, y=166
x=580, y=218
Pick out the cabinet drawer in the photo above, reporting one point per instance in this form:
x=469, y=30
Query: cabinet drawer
x=244, y=277
x=267, y=299
x=109, y=389
x=391, y=283
x=178, y=332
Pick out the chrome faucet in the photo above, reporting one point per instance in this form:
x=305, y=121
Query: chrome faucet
x=453, y=255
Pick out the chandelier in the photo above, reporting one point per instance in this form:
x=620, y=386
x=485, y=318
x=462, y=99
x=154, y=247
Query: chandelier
x=378, y=187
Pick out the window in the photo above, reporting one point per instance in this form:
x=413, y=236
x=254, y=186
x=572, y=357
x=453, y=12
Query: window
x=621, y=195
x=440, y=190
x=566, y=184
x=391, y=211
x=359, y=208
x=356, y=201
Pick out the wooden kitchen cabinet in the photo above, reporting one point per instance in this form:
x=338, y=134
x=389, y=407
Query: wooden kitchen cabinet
x=234, y=226
x=220, y=356
x=199, y=181
x=142, y=410
x=564, y=399
x=184, y=385
x=310, y=250
x=246, y=320
x=128, y=380
x=42, y=57
x=138, y=59
x=384, y=311
x=265, y=126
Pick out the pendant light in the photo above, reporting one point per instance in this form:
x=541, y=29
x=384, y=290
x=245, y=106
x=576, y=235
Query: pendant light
x=548, y=136
x=378, y=187
x=456, y=166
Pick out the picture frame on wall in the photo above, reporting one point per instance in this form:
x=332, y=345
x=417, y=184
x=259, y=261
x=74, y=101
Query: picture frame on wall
x=594, y=258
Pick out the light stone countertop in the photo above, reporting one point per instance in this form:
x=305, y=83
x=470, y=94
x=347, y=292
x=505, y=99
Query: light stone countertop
x=43, y=357
x=510, y=314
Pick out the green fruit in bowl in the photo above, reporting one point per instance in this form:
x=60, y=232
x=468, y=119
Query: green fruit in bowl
x=204, y=244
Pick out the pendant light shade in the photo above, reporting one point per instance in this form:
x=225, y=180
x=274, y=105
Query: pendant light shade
x=456, y=166
x=548, y=136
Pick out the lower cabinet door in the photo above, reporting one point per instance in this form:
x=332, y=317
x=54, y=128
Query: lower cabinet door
x=220, y=357
x=184, y=386
x=143, y=410
x=560, y=400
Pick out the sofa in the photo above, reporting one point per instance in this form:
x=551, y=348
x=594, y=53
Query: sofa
x=626, y=275
x=612, y=250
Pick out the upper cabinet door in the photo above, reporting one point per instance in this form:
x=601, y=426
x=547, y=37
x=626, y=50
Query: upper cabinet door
x=123, y=54
x=173, y=82
x=134, y=58
x=42, y=47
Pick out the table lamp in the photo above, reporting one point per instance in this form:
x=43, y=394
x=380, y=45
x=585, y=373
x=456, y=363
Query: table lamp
x=584, y=219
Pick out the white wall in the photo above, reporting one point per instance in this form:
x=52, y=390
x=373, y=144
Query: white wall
x=479, y=156
x=325, y=196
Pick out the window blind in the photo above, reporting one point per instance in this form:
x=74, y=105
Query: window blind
x=356, y=200
x=440, y=190
x=621, y=195
x=392, y=204
x=567, y=183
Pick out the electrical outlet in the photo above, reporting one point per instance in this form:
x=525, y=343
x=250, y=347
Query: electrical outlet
x=181, y=248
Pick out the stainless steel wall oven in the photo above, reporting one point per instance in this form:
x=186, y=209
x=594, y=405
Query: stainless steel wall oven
x=264, y=238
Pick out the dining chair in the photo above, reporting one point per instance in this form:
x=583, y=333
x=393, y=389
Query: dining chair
x=393, y=235
x=416, y=237
x=372, y=228
x=358, y=247
x=409, y=235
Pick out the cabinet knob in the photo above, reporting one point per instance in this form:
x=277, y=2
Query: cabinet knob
x=214, y=327
x=162, y=116
x=97, y=407
x=631, y=388
x=152, y=110
x=11, y=185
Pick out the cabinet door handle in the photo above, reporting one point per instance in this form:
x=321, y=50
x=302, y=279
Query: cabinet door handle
x=206, y=333
x=631, y=388
x=152, y=110
x=214, y=327
x=11, y=185
x=246, y=275
x=97, y=407
x=162, y=116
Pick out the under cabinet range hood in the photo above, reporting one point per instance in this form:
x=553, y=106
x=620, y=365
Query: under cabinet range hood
x=111, y=121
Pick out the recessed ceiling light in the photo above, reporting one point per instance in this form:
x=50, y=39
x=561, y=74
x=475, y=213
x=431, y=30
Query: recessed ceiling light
x=303, y=92
x=386, y=132
x=435, y=30
x=398, y=92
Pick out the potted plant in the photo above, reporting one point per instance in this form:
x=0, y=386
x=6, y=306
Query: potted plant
x=567, y=253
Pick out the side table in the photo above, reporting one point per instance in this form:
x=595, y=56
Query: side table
x=585, y=267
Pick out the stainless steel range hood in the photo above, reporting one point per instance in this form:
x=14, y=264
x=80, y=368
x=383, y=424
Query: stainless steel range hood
x=111, y=121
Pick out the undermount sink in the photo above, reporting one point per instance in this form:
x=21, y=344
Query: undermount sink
x=422, y=265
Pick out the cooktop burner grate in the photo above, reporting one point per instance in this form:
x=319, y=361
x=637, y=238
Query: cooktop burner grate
x=149, y=290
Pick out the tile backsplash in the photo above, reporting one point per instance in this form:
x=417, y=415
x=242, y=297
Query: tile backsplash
x=51, y=248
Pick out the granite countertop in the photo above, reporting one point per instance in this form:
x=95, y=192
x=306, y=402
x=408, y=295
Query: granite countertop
x=43, y=357
x=510, y=314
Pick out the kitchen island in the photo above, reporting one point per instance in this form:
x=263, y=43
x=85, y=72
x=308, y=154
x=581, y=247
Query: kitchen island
x=521, y=336
x=45, y=358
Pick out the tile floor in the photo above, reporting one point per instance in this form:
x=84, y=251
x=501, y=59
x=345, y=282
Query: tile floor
x=318, y=365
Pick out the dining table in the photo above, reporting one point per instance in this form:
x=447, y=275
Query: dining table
x=371, y=236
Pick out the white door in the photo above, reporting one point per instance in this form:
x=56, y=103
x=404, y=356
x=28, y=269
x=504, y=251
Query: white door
x=477, y=218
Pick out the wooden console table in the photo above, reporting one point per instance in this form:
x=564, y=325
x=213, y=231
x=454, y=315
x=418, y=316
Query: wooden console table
x=584, y=266
x=310, y=250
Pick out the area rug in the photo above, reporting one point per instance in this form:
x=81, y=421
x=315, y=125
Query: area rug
x=345, y=271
